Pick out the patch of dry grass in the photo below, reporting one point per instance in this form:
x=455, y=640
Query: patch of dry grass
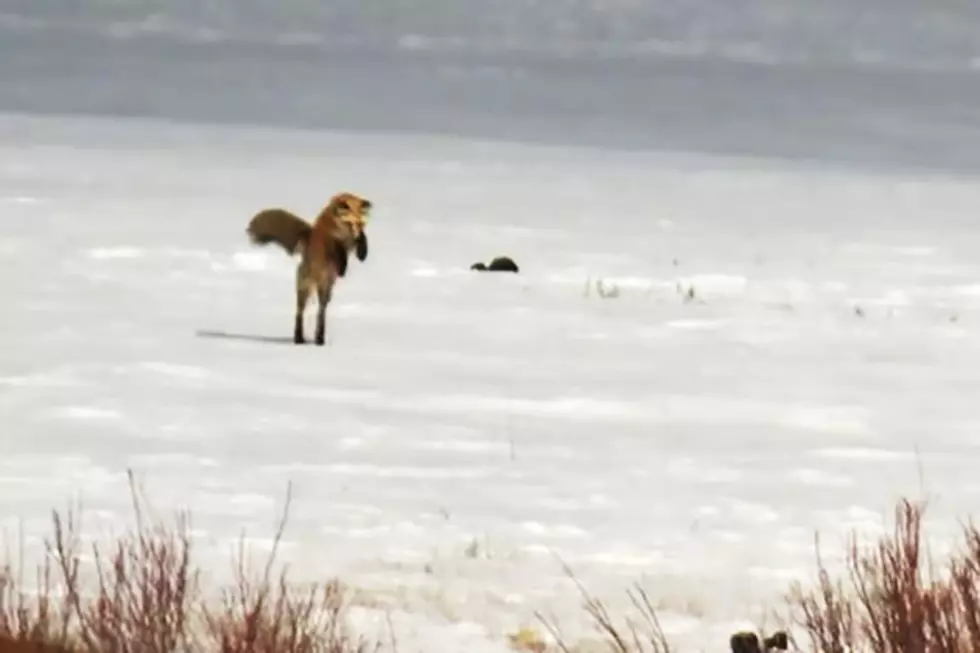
x=628, y=635
x=893, y=597
x=145, y=596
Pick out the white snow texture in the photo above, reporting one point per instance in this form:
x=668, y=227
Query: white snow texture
x=747, y=307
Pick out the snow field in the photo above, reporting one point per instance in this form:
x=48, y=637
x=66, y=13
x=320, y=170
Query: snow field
x=460, y=430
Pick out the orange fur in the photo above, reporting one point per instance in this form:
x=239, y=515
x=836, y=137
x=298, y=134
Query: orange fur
x=323, y=246
x=10, y=645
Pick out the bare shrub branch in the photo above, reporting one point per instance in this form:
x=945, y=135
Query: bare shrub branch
x=645, y=636
x=265, y=616
x=36, y=618
x=896, y=599
x=145, y=597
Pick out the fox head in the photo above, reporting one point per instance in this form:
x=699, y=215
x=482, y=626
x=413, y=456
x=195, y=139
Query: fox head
x=352, y=210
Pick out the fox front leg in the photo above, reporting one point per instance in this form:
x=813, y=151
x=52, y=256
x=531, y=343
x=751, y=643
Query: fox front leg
x=361, y=247
x=340, y=258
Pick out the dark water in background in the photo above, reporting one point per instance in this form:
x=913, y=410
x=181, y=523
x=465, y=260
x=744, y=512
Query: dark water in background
x=873, y=85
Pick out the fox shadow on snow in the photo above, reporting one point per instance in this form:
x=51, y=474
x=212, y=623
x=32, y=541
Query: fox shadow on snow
x=498, y=264
x=245, y=337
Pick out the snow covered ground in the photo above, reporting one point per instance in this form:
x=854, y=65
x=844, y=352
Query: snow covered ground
x=779, y=348
x=778, y=200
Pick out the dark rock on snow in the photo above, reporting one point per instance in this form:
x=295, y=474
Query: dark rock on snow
x=499, y=264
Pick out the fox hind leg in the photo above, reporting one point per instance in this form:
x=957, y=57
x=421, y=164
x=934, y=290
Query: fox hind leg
x=324, y=294
x=302, y=295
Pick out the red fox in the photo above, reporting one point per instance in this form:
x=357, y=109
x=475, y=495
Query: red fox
x=324, y=247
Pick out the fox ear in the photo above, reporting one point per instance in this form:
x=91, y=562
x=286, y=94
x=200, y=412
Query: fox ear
x=340, y=256
x=362, y=246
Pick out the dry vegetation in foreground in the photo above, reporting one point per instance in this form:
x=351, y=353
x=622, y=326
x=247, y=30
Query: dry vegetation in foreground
x=144, y=595
x=891, y=598
x=894, y=598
